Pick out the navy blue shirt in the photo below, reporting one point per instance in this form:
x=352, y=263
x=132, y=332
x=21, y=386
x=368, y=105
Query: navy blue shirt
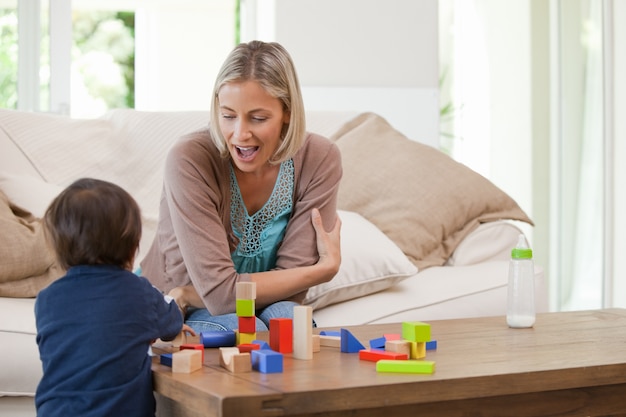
x=94, y=328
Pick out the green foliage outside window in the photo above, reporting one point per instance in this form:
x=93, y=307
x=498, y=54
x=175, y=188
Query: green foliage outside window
x=103, y=57
x=8, y=59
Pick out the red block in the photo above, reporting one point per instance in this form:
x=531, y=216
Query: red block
x=376, y=355
x=196, y=346
x=248, y=347
x=247, y=324
x=281, y=335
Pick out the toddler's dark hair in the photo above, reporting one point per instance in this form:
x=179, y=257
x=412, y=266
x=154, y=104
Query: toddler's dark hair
x=94, y=222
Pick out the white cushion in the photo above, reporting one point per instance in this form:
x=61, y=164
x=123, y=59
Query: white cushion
x=435, y=293
x=488, y=242
x=28, y=192
x=370, y=262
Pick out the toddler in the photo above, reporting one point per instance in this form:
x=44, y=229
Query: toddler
x=95, y=324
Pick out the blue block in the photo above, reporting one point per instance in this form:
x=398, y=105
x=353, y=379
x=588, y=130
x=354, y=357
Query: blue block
x=330, y=333
x=431, y=345
x=166, y=359
x=349, y=343
x=378, y=343
x=262, y=344
x=267, y=361
x=214, y=339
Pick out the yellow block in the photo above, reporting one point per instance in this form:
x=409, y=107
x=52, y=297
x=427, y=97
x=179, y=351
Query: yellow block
x=418, y=350
x=245, y=338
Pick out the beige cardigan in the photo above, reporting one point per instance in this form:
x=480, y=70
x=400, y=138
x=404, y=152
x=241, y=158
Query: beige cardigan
x=194, y=239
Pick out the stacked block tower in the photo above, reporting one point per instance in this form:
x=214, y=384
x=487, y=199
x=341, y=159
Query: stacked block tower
x=245, y=309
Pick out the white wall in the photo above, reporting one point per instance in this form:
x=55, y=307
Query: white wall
x=180, y=46
x=361, y=55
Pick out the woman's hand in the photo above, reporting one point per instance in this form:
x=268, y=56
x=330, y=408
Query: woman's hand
x=328, y=244
x=186, y=297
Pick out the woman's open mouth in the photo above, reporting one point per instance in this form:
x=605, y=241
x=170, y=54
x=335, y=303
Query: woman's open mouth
x=246, y=153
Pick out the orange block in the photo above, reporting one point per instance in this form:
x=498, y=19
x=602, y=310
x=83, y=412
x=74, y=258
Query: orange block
x=281, y=335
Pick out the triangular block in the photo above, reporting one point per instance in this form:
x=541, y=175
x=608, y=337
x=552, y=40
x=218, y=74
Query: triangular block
x=349, y=343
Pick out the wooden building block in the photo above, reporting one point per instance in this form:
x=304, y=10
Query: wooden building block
x=418, y=350
x=267, y=361
x=302, y=335
x=263, y=345
x=244, y=308
x=215, y=338
x=245, y=290
x=392, y=336
x=245, y=338
x=196, y=346
x=416, y=331
x=235, y=361
x=248, y=347
x=398, y=346
x=349, y=343
x=330, y=341
x=281, y=335
x=431, y=345
x=375, y=355
x=410, y=366
x=183, y=338
x=316, y=343
x=166, y=359
x=378, y=343
x=247, y=324
x=186, y=361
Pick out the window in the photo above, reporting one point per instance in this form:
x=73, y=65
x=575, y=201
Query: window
x=96, y=55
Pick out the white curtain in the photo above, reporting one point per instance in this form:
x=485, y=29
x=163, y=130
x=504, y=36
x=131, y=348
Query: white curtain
x=582, y=272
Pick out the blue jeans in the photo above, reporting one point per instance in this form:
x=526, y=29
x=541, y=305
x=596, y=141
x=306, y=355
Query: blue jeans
x=200, y=320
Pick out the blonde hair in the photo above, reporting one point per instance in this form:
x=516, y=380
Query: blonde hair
x=269, y=64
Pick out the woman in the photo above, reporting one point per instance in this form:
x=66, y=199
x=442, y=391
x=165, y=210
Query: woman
x=247, y=198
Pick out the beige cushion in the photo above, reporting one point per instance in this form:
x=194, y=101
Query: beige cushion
x=28, y=263
x=370, y=262
x=419, y=197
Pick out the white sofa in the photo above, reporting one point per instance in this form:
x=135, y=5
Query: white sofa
x=423, y=237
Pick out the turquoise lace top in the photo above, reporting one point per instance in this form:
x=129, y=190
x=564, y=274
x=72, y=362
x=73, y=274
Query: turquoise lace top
x=260, y=234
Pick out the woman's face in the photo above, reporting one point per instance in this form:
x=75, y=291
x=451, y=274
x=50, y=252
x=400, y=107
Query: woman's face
x=251, y=121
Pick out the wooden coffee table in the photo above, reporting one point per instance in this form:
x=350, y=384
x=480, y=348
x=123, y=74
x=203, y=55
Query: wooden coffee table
x=569, y=364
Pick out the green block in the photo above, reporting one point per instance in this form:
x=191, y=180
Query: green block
x=410, y=366
x=416, y=331
x=245, y=308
